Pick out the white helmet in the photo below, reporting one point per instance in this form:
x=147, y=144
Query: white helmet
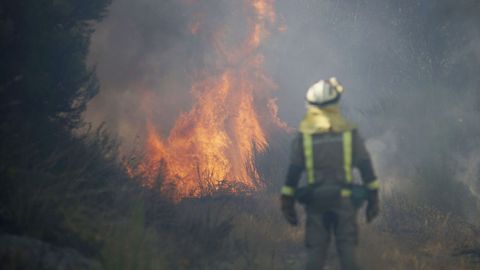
x=324, y=92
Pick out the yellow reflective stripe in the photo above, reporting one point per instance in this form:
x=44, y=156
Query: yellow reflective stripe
x=347, y=155
x=308, y=152
x=288, y=191
x=374, y=185
x=345, y=192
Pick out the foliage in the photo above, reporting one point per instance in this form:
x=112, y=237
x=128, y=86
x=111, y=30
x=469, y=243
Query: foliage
x=43, y=50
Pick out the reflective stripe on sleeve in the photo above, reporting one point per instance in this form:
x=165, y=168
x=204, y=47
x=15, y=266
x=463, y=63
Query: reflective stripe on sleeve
x=288, y=191
x=347, y=155
x=308, y=152
x=374, y=185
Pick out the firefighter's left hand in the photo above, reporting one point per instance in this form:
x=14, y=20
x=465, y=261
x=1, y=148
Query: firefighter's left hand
x=288, y=209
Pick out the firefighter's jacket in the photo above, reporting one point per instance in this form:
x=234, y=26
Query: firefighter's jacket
x=327, y=147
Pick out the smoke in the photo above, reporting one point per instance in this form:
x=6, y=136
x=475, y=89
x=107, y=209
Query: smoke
x=141, y=53
x=409, y=69
x=147, y=53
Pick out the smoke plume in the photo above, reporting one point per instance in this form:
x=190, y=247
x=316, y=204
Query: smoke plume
x=409, y=69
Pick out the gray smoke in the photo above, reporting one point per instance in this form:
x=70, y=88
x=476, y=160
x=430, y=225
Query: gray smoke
x=410, y=69
x=141, y=46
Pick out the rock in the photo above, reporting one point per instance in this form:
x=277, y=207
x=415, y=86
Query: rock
x=19, y=252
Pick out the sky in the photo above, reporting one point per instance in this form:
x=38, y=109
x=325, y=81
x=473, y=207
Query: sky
x=410, y=70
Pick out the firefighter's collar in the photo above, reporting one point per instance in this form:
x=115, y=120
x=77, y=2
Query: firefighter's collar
x=324, y=119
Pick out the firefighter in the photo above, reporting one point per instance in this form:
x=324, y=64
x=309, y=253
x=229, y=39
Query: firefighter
x=327, y=147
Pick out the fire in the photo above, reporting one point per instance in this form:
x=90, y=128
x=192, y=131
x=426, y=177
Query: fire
x=213, y=146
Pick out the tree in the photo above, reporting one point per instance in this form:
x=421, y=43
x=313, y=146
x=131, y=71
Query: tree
x=45, y=85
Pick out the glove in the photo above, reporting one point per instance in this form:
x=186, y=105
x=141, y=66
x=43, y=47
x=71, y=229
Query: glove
x=288, y=209
x=373, y=208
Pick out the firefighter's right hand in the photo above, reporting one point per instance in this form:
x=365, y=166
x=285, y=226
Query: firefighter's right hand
x=288, y=209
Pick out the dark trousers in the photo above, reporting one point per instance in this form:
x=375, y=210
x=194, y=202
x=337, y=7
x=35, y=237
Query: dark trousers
x=341, y=221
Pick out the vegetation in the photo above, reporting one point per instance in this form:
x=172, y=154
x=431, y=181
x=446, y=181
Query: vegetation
x=44, y=87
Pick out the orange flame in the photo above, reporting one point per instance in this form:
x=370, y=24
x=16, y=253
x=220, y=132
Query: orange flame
x=213, y=146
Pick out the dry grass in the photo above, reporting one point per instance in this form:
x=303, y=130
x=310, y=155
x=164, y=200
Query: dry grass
x=90, y=209
x=260, y=239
